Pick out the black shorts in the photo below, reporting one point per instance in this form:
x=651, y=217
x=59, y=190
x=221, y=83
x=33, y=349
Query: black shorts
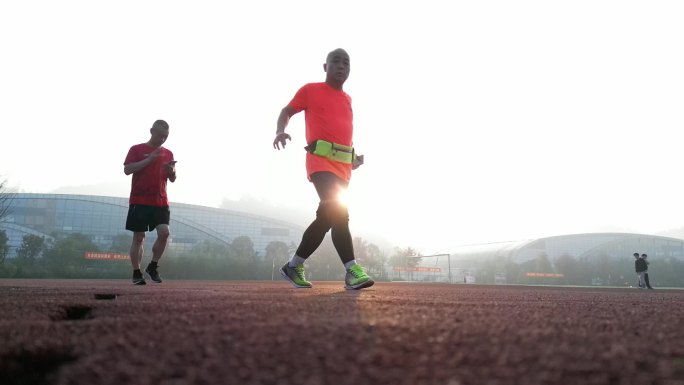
x=143, y=218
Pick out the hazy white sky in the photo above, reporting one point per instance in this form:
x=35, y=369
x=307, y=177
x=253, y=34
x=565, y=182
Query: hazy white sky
x=480, y=121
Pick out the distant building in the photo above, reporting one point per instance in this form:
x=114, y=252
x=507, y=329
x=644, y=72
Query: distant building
x=462, y=261
x=102, y=218
x=588, y=245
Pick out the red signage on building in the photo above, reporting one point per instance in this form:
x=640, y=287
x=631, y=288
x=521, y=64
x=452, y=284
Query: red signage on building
x=106, y=256
x=420, y=269
x=545, y=275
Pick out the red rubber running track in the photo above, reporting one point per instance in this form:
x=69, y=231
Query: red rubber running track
x=218, y=332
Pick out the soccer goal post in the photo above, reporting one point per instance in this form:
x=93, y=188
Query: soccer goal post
x=428, y=268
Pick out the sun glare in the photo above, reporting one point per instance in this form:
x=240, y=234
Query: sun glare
x=343, y=197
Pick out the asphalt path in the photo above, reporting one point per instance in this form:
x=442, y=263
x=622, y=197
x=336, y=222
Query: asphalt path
x=221, y=332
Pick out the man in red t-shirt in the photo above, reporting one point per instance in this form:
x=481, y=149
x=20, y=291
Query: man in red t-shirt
x=151, y=165
x=328, y=117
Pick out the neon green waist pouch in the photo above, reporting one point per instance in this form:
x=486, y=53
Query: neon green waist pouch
x=333, y=151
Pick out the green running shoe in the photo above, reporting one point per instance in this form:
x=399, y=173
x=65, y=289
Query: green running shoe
x=295, y=275
x=356, y=278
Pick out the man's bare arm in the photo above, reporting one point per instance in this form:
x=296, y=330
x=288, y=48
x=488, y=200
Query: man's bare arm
x=283, y=119
x=139, y=165
x=136, y=166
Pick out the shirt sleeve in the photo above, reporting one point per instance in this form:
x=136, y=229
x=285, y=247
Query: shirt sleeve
x=300, y=101
x=132, y=156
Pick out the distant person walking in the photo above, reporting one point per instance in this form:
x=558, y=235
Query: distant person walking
x=151, y=165
x=640, y=267
x=645, y=264
x=330, y=160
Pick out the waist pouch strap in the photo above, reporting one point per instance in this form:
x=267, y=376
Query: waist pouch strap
x=333, y=151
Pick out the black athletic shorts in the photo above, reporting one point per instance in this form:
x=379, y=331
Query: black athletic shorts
x=143, y=218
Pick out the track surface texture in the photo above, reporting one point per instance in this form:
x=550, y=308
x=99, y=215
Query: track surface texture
x=211, y=332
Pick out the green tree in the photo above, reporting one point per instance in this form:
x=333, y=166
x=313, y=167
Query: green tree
x=570, y=268
x=65, y=257
x=405, y=259
x=207, y=260
x=585, y=271
x=370, y=257
x=277, y=252
x=243, y=248
x=243, y=262
x=623, y=271
x=6, y=199
x=602, y=269
x=513, y=272
x=540, y=264
x=4, y=246
x=668, y=271
x=214, y=260
x=121, y=243
x=487, y=269
x=325, y=263
x=212, y=249
x=543, y=264
x=32, y=246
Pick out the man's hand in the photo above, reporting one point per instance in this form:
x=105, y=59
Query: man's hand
x=171, y=170
x=134, y=167
x=154, y=154
x=358, y=161
x=281, y=139
x=170, y=167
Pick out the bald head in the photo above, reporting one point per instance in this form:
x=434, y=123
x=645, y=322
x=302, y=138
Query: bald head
x=337, y=67
x=339, y=52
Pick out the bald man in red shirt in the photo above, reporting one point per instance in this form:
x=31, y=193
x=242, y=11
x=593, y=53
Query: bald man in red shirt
x=330, y=160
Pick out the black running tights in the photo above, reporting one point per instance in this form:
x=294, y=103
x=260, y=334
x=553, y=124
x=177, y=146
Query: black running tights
x=331, y=214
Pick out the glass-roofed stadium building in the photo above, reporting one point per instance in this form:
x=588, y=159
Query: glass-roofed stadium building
x=102, y=218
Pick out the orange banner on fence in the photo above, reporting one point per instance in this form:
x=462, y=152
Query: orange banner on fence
x=545, y=275
x=420, y=269
x=106, y=256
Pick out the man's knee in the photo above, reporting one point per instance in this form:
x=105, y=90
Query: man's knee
x=163, y=231
x=138, y=238
x=333, y=213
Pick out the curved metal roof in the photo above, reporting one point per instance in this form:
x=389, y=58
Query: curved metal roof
x=578, y=245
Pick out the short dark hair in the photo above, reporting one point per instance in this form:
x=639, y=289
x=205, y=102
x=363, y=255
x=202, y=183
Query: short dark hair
x=160, y=124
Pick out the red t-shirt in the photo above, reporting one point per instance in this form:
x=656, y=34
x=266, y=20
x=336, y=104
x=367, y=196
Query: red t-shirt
x=148, y=186
x=328, y=116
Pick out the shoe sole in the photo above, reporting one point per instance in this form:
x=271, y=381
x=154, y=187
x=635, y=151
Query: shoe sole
x=360, y=286
x=293, y=282
x=150, y=277
x=140, y=283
